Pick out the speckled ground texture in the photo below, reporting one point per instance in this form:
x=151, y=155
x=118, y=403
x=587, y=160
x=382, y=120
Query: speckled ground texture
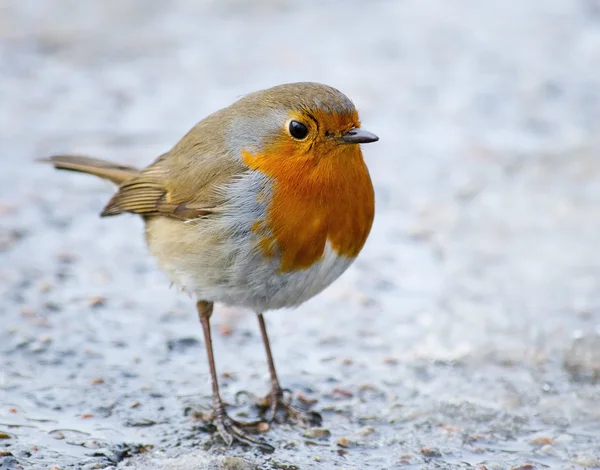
x=467, y=335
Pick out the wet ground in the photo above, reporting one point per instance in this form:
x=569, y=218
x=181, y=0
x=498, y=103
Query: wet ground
x=467, y=335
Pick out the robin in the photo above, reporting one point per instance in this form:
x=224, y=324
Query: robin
x=262, y=205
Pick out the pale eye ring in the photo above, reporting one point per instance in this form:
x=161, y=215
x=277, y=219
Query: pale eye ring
x=298, y=130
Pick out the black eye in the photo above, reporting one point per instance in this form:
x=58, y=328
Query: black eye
x=298, y=130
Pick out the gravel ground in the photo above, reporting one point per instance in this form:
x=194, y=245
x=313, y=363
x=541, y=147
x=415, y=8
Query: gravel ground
x=467, y=335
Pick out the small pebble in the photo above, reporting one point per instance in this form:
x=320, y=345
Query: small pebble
x=365, y=431
x=4, y=435
x=547, y=449
x=317, y=433
x=97, y=381
x=542, y=441
x=306, y=400
x=344, y=442
x=431, y=452
x=135, y=404
x=263, y=426
x=339, y=392
x=525, y=466
x=96, y=301
x=449, y=428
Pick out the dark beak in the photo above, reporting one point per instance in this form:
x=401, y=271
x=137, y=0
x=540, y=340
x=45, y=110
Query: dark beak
x=358, y=136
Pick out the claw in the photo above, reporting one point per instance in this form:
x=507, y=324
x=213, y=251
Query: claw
x=231, y=430
x=276, y=402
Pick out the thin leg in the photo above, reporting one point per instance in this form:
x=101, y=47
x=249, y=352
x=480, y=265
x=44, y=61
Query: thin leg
x=227, y=427
x=263, y=331
x=276, y=399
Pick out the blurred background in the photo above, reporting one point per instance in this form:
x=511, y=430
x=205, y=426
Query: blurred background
x=467, y=333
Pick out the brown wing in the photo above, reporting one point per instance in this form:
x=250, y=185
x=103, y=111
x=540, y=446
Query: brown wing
x=147, y=194
x=169, y=190
x=141, y=194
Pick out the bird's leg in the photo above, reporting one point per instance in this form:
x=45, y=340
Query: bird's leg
x=276, y=399
x=228, y=428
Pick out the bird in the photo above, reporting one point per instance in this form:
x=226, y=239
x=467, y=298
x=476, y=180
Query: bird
x=261, y=205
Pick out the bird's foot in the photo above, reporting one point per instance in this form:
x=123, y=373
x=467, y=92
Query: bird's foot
x=276, y=404
x=231, y=430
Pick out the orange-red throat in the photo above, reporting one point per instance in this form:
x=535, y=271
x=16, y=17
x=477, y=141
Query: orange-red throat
x=321, y=193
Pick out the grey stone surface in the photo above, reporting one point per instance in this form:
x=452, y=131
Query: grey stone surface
x=467, y=334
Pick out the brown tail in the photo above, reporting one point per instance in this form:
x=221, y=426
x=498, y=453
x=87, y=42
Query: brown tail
x=94, y=166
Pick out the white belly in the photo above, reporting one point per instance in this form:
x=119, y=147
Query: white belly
x=261, y=286
x=233, y=270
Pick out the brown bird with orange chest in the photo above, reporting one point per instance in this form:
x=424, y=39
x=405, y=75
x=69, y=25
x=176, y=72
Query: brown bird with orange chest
x=262, y=204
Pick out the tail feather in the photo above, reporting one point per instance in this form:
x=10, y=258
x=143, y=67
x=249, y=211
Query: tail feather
x=93, y=166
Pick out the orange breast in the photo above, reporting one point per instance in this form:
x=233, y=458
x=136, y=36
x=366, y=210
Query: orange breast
x=327, y=197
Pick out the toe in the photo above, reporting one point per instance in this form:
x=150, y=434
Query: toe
x=231, y=431
x=241, y=436
x=225, y=434
x=291, y=413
